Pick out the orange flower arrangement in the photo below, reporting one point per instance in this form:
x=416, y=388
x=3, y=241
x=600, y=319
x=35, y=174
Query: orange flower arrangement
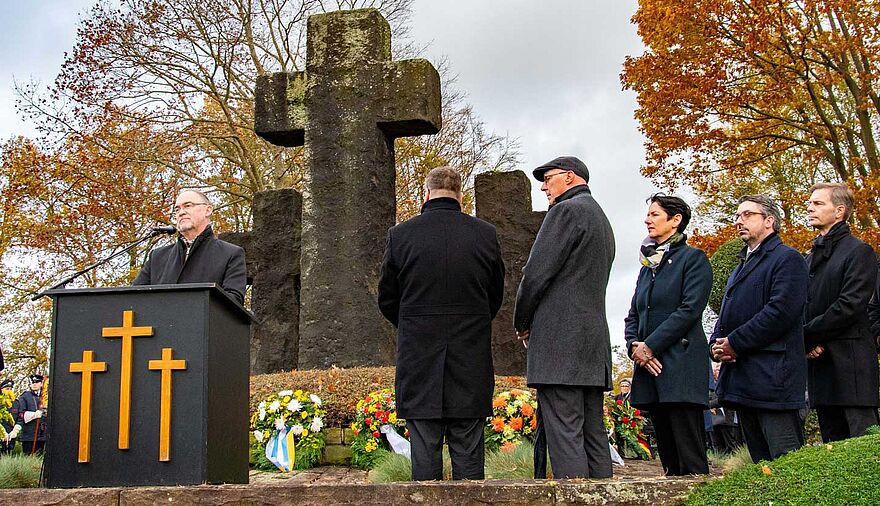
x=512, y=420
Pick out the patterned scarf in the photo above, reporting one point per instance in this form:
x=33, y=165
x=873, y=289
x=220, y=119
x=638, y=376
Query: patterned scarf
x=652, y=253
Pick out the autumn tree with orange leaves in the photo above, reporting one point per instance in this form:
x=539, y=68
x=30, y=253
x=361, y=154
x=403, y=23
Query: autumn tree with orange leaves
x=155, y=96
x=761, y=96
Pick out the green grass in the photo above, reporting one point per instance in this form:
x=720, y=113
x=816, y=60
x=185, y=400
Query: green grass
x=845, y=472
x=515, y=465
x=20, y=471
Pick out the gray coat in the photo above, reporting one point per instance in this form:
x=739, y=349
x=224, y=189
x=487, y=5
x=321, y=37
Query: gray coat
x=561, y=298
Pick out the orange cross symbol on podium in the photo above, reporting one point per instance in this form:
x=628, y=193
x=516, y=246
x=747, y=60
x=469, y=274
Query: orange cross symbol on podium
x=127, y=332
x=86, y=367
x=166, y=365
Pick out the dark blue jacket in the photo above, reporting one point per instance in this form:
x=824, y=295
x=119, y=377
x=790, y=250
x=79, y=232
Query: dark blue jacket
x=762, y=315
x=666, y=313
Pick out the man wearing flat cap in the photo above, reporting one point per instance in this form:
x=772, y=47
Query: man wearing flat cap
x=560, y=318
x=30, y=418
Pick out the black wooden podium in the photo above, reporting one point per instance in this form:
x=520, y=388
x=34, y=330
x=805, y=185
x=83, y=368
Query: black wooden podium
x=148, y=386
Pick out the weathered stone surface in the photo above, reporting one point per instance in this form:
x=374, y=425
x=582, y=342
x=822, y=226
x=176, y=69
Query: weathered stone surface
x=60, y=497
x=340, y=485
x=504, y=200
x=659, y=491
x=336, y=454
x=272, y=250
x=347, y=108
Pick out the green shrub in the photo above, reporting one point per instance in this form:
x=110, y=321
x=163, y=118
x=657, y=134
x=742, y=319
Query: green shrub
x=518, y=464
x=390, y=467
x=723, y=262
x=512, y=465
x=845, y=472
x=20, y=471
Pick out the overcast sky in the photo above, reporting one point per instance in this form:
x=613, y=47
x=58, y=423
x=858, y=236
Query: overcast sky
x=543, y=72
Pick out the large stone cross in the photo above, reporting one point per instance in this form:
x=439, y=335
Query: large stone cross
x=347, y=108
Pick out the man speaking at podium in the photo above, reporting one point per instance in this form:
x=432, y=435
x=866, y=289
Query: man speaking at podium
x=197, y=256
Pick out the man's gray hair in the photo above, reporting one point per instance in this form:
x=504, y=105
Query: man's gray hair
x=841, y=195
x=200, y=193
x=443, y=178
x=768, y=208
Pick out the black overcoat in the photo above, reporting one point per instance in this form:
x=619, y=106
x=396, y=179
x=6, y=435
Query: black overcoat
x=874, y=309
x=441, y=284
x=210, y=261
x=843, y=271
x=561, y=298
x=762, y=315
x=666, y=313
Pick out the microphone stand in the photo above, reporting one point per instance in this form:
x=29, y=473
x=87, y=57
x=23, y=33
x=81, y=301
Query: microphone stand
x=71, y=277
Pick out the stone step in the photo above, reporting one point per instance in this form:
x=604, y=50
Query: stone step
x=655, y=491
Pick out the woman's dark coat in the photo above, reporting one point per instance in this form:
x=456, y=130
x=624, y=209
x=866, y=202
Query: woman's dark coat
x=843, y=272
x=441, y=283
x=210, y=261
x=762, y=315
x=666, y=313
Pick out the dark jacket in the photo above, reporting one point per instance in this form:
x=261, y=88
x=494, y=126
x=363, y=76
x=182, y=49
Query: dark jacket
x=561, y=298
x=441, y=283
x=210, y=261
x=762, y=315
x=29, y=401
x=874, y=310
x=667, y=314
x=843, y=273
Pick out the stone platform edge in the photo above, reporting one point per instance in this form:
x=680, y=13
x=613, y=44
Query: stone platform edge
x=658, y=491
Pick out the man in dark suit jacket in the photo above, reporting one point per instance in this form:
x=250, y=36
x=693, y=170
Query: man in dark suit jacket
x=759, y=335
x=197, y=256
x=441, y=284
x=560, y=317
x=843, y=373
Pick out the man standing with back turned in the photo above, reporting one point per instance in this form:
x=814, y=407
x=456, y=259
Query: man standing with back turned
x=441, y=284
x=841, y=352
x=560, y=317
x=197, y=256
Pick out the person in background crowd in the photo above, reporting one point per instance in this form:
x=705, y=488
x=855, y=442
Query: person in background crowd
x=7, y=443
x=31, y=418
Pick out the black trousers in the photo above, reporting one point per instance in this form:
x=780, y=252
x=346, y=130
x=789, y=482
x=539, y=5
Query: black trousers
x=576, y=438
x=540, y=458
x=837, y=423
x=681, y=438
x=727, y=438
x=465, y=439
x=770, y=433
x=29, y=448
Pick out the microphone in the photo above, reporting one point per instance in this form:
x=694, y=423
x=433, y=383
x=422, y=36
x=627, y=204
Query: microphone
x=165, y=229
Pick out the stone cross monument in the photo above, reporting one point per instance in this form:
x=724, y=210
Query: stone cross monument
x=504, y=199
x=346, y=108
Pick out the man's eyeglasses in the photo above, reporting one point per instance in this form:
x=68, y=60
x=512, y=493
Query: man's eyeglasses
x=186, y=206
x=746, y=215
x=549, y=176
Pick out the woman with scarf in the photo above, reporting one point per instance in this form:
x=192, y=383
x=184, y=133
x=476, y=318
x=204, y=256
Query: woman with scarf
x=665, y=338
